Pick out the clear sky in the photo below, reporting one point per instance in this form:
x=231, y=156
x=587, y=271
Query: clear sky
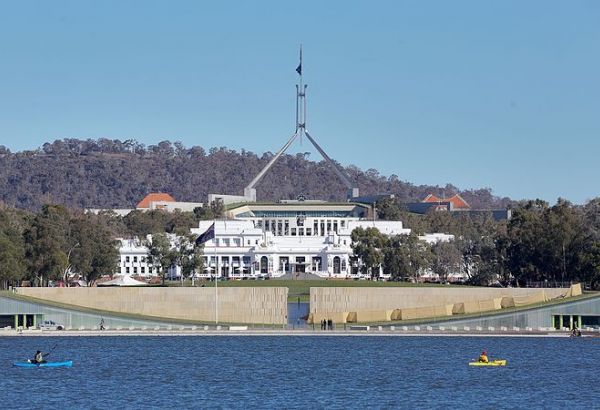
x=500, y=94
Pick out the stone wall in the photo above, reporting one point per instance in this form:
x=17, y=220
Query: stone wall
x=266, y=305
x=325, y=300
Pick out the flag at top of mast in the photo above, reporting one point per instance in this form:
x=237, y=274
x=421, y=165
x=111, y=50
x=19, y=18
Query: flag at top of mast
x=299, y=68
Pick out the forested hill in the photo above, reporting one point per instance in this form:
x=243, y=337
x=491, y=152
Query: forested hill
x=117, y=174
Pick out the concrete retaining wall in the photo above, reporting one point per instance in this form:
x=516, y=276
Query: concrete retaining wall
x=353, y=299
x=422, y=312
x=236, y=305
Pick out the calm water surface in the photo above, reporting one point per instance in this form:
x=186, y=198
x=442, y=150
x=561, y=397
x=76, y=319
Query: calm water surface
x=302, y=372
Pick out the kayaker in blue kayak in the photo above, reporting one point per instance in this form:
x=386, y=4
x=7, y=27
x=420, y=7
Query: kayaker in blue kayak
x=39, y=357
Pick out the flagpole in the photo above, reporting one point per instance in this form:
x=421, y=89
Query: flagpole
x=216, y=278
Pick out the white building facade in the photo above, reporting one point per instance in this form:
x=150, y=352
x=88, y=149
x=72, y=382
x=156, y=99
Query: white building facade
x=293, y=239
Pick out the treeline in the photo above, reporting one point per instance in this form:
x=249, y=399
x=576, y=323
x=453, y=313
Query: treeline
x=540, y=243
x=108, y=173
x=48, y=245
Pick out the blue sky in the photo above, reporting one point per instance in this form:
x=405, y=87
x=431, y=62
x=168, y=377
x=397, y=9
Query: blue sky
x=500, y=94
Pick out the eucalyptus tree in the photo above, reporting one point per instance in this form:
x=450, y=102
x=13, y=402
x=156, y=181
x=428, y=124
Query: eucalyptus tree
x=161, y=254
x=46, y=244
x=405, y=256
x=368, y=245
x=446, y=259
x=188, y=256
x=12, y=254
x=95, y=251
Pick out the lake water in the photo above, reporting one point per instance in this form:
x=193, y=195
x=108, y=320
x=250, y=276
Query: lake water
x=301, y=372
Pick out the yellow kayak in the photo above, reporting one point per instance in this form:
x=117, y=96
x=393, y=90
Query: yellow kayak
x=490, y=363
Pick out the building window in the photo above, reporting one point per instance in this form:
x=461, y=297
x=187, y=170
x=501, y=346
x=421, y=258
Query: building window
x=134, y=270
x=127, y=259
x=246, y=264
x=300, y=231
x=308, y=232
x=135, y=258
x=317, y=264
x=336, y=264
x=344, y=265
x=127, y=270
x=142, y=259
x=150, y=269
x=143, y=270
x=293, y=231
x=284, y=264
x=264, y=265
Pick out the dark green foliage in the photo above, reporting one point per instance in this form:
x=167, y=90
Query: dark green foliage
x=541, y=243
x=368, y=245
x=160, y=253
x=47, y=245
x=446, y=259
x=12, y=252
x=405, y=257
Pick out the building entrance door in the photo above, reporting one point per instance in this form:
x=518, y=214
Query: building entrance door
x=300, y=264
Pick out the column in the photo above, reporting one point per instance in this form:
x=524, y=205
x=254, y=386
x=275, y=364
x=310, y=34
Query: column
x=570, y=321
x=560, y=322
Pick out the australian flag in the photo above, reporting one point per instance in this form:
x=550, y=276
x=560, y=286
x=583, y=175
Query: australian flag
x=206, y=236
x=299, y=68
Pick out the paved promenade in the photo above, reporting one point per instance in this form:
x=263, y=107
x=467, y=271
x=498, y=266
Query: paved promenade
x=371, y=332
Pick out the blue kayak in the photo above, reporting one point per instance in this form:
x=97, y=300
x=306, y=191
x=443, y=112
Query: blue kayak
x=67, y=363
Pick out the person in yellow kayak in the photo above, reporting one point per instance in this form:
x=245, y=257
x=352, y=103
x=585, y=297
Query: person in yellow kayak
x=483, y=358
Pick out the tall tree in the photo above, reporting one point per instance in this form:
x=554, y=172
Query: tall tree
x=95, y=252
x=46, y=244
x=160, y=253
x=367, y=245
x=446, y=259
x=405, y=256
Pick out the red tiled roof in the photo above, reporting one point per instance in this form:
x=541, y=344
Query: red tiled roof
x=431, y=198
x=154, y=197
x=457, y=201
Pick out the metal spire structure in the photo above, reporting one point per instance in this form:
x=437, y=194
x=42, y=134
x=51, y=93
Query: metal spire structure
x=250, y=190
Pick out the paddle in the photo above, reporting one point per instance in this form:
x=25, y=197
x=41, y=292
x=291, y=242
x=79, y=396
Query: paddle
x=51, y=350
